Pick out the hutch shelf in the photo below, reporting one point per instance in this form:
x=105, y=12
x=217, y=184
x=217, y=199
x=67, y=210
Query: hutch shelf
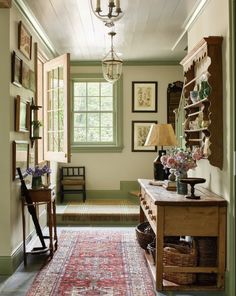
x=203, y=125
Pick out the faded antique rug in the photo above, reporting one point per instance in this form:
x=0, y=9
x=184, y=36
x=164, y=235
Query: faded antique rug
x=95, y=262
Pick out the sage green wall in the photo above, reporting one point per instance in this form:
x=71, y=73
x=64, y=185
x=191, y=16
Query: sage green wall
x=215, y=21
x=105, y=170
x=209, y=25
x=5, y=171
x=10, y=210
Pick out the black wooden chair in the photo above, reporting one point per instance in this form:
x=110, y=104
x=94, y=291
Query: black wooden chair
x=72, y=181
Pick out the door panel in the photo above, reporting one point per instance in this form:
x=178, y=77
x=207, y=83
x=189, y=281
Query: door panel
x=56, y=109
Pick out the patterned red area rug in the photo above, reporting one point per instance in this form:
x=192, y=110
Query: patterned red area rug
x=95, y=262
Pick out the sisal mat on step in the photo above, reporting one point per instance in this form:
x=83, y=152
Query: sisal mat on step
x=99, y=212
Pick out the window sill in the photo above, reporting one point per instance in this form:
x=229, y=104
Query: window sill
x=104, y=149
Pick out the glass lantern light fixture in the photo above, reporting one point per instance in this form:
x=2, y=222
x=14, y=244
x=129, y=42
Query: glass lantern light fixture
x=112, y=14
x=112, y=64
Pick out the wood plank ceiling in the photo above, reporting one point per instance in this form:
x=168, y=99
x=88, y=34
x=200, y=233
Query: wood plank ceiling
x=148, y=31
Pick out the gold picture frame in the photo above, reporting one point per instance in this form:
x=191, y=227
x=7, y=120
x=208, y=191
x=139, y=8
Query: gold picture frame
x=24, y=41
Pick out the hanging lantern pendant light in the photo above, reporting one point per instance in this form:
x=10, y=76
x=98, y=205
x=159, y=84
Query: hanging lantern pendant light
x=112, y=64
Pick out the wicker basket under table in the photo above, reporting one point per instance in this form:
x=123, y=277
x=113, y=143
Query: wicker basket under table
x=184, y=256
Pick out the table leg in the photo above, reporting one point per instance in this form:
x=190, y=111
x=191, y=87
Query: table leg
x=23, y=226
x=49, y=210
x=54, y=222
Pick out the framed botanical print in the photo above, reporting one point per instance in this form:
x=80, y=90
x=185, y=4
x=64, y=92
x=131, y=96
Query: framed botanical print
x=144, y=96
x=24, y=41
x=140, y=130
x=25, y=76
x=20, y=150
x=16, y=70
x=32, y=80
x=22, y=115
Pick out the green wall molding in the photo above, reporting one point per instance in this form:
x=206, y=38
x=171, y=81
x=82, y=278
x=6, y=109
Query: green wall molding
x=126, y=187
x=126, y=63
x=9, y=264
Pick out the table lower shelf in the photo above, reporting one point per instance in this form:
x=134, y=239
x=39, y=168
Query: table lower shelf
x=170, y=286
x=34, y=247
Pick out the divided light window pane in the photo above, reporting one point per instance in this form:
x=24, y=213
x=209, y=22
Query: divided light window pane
x=93, y=113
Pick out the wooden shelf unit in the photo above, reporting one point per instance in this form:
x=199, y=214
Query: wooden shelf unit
x=205, y=59
x=171, y=214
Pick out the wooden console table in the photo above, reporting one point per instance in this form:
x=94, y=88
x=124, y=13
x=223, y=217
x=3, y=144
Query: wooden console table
x=38, y=197
x=171, y=214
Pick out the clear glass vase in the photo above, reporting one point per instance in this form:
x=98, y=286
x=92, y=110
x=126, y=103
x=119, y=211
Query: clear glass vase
x=182, y=188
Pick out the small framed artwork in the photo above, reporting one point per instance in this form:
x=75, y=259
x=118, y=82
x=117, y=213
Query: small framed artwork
x=24, y=41
x=140, y=130
x=16, y=71
x=20, y=150
x=22, y=115
x=25, y=75
x=32, y=80
x=144, y=96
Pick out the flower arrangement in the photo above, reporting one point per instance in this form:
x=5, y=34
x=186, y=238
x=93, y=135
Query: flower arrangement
x=181, y=160
x=37, y=171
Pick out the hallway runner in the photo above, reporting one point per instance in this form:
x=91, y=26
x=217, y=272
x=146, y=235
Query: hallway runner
x=93, y=263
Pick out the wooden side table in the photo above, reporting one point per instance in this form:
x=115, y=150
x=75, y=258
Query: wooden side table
x=171, y=214
x=38, y=197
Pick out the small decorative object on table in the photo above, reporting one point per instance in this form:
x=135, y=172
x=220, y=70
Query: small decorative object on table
x=192, y=182
x=37, y=174
x=181, y=161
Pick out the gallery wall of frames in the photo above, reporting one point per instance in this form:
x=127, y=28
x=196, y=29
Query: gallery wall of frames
x=23, y=75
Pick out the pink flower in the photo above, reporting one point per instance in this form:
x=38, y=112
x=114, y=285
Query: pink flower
x=164, y=159
x=171, y=163
x=181, y=160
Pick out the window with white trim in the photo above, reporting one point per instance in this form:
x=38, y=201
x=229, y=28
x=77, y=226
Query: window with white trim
x=95, y=114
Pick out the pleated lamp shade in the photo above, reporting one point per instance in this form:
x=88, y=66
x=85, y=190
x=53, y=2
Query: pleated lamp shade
x=161, y=135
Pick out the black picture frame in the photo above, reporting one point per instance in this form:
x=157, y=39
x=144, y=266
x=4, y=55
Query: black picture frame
x=140, y=130
x=144, y=96
x=16, y=70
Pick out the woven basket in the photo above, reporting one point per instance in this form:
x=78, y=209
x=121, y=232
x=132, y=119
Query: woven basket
x=152, y=250
x=180, y=255
x=144, y=234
